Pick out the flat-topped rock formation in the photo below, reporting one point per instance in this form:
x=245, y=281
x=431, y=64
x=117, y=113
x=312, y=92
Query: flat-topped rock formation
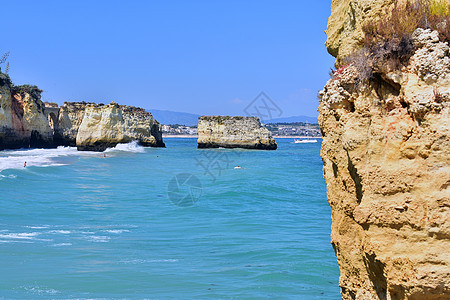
x=233, y=132
x=386, y=154
x=27, y=122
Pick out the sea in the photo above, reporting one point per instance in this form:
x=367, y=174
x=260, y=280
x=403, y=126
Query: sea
x=166, y=223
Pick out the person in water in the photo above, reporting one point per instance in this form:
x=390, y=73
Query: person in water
x=25, y=164
x=238, y=167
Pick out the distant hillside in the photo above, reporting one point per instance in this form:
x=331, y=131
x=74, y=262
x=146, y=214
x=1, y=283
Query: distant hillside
x=294, y=119
x=167, y=117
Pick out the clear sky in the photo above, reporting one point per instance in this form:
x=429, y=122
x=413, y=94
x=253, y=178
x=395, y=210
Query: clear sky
x=205, y=57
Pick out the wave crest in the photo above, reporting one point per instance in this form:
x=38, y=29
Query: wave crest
x=128, y=147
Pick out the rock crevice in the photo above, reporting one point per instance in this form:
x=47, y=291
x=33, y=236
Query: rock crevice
x=386, y=155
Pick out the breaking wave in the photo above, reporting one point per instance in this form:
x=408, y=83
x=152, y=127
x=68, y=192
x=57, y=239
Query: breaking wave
x=15, y=159
x=61, y=156
x=128, y=147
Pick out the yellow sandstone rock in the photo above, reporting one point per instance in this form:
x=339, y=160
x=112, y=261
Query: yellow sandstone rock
x=233, y=132
x=386, y=154
x=25, y=121
x=105, y=126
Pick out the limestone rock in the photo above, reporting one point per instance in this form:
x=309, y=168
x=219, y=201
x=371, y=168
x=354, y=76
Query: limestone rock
x=70, y=116
x=233, y=132
x=23, y=122
x=386, y=154
x=344, y=30
x=105, y=126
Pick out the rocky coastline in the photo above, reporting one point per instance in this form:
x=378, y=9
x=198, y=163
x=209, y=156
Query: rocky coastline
x=234, y=132
x=27, y=122
x=386, y=151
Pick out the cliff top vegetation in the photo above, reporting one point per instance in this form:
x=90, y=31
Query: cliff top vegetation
x=387, y=43
x=32, y=90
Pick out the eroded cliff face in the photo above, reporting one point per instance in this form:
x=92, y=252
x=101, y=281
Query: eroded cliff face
x=105, y=126
x=25, y=121
x=386, y=154
x=69, y=120
x=233, y=132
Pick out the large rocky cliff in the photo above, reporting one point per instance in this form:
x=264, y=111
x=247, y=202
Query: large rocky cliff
x=386, y=154
x=22, y=119
x=233, y=132
x=26, y=122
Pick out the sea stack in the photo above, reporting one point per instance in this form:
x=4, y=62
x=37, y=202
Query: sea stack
x=233, y=132
x=386, y=155
x=105, y=126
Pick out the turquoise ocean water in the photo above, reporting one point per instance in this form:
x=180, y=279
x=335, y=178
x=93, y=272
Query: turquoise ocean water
x=173, y=223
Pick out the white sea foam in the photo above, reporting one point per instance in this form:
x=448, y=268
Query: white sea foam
x=128, y=147
x=60, y=231
x=37, y=227
x=141, y=261
x=62, y=244
x=117, y=231
x=24, y=235
x=40, y=290
x=7, y=176
x=16, y=241
x=15, y=159
x=98, y=239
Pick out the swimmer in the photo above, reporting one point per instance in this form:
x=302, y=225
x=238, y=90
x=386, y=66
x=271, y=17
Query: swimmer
x=25, y=164
x=238, y=167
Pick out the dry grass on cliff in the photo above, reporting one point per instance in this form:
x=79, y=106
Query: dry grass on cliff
x=401, y=21
x=387, y=44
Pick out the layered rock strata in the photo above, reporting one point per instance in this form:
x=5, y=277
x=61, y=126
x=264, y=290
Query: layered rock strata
x=22, y=119
x=386, y=154
x=106, y=126
x=69, y=118
x=233, y=132
x=27, y=122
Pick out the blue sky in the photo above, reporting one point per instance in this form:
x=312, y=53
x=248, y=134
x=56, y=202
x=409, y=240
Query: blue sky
x=205, y=57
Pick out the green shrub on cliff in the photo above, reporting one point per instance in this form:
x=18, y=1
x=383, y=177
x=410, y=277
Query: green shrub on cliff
x=4, y=77
x=32, y=90
x=5, y=80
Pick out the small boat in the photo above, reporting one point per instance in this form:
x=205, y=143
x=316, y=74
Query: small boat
x=304, y=141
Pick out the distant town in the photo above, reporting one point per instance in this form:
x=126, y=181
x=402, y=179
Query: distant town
x=294, y=129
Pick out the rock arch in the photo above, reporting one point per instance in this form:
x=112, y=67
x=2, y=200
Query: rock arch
x=53, y=121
